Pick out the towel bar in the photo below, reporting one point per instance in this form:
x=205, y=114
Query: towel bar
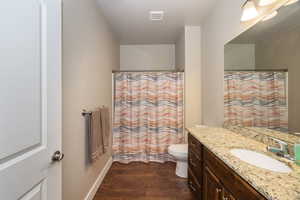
x=84, y=113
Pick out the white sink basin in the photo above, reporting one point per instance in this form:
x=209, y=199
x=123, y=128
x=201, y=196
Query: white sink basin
x=260, y=160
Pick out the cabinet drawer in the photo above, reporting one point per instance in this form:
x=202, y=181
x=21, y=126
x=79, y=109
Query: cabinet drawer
x=195, y=146
x=195, y=164
x=194, y=184
x=238, y=187
x=226, y=176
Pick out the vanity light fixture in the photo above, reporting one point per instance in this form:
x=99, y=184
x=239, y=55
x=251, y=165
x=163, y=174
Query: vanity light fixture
x=266, y=2
x=249, y=11
x=270, y=16
x=291, y=2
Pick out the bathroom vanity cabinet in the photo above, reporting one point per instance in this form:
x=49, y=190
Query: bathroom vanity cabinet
x=211, y=179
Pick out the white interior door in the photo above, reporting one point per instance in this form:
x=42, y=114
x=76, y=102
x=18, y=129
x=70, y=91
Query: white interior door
x=30, y=99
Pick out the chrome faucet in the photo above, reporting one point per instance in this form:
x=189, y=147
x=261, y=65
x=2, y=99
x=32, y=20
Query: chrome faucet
x=282, y=151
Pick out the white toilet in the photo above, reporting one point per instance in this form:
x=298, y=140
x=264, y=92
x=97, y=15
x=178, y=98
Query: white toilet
x=180, y=153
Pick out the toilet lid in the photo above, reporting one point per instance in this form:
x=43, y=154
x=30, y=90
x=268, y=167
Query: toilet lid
x=179, y=148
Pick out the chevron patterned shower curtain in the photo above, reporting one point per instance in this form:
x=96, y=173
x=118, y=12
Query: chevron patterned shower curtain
x=257, y=99
x=148, y=115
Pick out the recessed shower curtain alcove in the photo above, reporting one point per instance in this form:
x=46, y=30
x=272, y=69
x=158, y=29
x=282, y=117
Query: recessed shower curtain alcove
x=148, y=115
x=257, y=99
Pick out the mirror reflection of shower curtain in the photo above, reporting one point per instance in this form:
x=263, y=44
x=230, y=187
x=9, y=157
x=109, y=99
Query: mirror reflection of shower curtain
x=256, y=99
x=148, y=115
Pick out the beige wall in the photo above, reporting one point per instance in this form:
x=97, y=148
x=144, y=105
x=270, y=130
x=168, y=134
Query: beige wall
x=90, y=52
x=239, y=56
x=147, y=57
x=222, y=25
x=282, y=51
x=192, y=76
x=180, y=51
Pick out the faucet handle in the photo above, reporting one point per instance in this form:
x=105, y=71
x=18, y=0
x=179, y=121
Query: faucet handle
x=283, y=145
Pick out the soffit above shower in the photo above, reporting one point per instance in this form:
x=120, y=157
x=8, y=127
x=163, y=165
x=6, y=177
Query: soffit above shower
x=130, y=21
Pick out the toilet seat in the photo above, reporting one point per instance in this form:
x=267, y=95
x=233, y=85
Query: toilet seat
x=180, y=150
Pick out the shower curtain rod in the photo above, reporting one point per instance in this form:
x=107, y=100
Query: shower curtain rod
x=118, y=71
x=256, y=70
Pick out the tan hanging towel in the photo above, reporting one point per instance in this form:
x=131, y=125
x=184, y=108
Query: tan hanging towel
x=105, y=126
x=95, y=136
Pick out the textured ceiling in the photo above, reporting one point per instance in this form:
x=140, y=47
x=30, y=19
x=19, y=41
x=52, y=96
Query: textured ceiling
x=130, y=18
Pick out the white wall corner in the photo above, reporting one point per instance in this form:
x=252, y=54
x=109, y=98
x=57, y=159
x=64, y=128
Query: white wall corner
x=91, y=194
x=193, y=69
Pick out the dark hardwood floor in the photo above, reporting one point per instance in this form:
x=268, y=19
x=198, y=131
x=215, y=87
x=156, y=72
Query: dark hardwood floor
x=139, y=181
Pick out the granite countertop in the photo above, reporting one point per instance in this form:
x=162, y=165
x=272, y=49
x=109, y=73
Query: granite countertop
x=273, y=185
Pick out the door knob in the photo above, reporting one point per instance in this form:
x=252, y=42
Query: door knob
x=57, y=156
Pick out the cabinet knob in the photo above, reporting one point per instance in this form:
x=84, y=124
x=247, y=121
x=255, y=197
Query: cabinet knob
x=192, y=187
x=193, y=144
x=218, y=190
x=192, y=162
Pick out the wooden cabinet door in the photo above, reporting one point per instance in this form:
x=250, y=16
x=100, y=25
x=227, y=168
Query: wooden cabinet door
x=194, y=185
x=227, y=195
x=212, y=186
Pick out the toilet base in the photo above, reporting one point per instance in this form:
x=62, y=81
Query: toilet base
x=181, y=169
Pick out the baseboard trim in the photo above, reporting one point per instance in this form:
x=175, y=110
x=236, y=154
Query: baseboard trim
x=91, y=194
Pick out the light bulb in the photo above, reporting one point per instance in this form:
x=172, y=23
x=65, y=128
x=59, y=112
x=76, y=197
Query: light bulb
x=291, y=2
x=266, y=2
x=249, y=11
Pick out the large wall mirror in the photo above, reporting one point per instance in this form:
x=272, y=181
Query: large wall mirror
x=262, y=74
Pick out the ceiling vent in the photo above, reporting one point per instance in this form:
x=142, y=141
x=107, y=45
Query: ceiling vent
x=156, y=15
